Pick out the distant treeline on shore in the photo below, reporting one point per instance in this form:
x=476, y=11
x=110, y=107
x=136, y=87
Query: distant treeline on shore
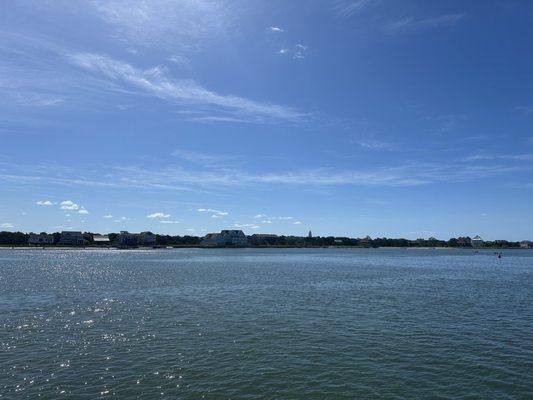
x=259, y=240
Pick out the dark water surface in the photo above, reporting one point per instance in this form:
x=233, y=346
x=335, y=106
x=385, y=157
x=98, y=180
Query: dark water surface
x=266, y=324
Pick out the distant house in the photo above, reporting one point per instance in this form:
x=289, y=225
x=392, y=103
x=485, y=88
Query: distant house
x=101, y=239
x=126, y=238
x=476, y=242
x=146, y=239
x=72, y=238
x=227, y=237
x=366, y=241
x=263, y=239
x=338, y=241
x=40, y=239
x=526, y=244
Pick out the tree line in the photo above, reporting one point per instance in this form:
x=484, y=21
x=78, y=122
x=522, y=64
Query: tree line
x=21, y=239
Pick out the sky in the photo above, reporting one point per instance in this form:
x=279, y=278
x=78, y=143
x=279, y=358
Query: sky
x=397, y=118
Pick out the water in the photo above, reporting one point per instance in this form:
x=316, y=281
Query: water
x=269, y=324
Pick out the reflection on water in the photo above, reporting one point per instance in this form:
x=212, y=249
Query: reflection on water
x=277, y=323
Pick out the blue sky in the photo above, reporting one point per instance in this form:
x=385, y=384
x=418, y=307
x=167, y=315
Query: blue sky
x=347, y=117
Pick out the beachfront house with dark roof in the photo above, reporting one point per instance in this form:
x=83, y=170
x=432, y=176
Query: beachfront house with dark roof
x=72, y=238
x=226, y=237
x=40, y=239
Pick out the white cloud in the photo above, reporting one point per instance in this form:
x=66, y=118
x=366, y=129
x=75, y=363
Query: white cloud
x=69, y=205
x=169, y=222
x=216, y=213
x=83, y=211
x=266, y=221
x=412, y=24
x=298, y=51
x=44, y=203
x=276, y=29
x=158, y=215
x=185, y=93
x=297, y=222
x=7, y=225
x=251, y=226
x=107, y=216
x=270, y=219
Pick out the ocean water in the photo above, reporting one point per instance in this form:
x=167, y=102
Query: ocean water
x=266, y=324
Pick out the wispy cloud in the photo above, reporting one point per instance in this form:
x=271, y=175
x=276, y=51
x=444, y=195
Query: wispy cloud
x=374, y=144
x=35, y=99
x=158, y=215
x=109, y=216
x=184, y=25
x=269, y=220
x=525, y=109
x=251, y=226
x=347, y=8
x=44, y=203
x=275, y=29
x=511, y=157
x=175, y=177
x=297, y=52
x=206, y=160
x=214, y=213
x=7, y=225
x=413, y=24
x=169, y=222
x=185, y=93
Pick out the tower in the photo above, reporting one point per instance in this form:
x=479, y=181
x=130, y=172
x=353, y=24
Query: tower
x=310, y=235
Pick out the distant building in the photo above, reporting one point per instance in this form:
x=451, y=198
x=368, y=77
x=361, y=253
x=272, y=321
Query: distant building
x=310, y=235
x=476, y=242
x=227, y=237
x=72, y=238
x=40, y=239
x=146, y=239
x=526, y=244
x=263, y=239
x=366, y=241
x=127, y=239
x=101, y=239
x=338, y=241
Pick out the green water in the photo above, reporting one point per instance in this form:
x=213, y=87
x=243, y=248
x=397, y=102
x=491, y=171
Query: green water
x=266, y=324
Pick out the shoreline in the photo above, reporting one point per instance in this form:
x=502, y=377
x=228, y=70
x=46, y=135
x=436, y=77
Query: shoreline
x=145, y=248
